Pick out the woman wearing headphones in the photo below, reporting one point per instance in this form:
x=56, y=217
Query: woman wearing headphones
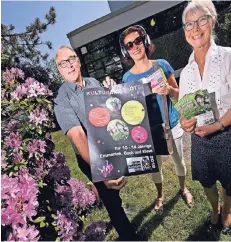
x=136, y=47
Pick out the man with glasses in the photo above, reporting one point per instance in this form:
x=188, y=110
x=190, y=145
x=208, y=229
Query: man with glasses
x=70, y=113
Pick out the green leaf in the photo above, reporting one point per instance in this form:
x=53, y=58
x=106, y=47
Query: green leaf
x=42, y=224
x=57, y=239
x=42, y=184
x=27, y=139
x=39, y=219
x=82, y=218
x=15, y=168
x=54, y=224
x=53, y=216
x=31, y=107
x=47, y=101
x=39, y=100
x=11, y=173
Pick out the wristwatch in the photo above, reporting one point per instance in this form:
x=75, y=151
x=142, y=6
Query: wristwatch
x=222, y=126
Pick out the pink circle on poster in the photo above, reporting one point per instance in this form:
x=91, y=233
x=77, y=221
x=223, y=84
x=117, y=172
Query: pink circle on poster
x=139, y=134
x=99, y=117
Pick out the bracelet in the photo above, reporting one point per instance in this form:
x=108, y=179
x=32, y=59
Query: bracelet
x=222, y=126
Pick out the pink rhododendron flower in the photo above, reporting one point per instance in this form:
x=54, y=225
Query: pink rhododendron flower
x=29, y=81
x=31, y=88
x=19, y=198
x=9, y=187
x=41, y=89
x=21, y=90
x=40, y=170
x=38, y=116
x=12, y=124
x=42, y=145
x=32, y=146
x=24, y=233
x=60, y=189
x=67, y=228
x=17, y=73
x=14, y=140
x=17, y=158
x=14, y=95
x=10, y=215
x=81, y=195
x=36, y=146
x=12, y=74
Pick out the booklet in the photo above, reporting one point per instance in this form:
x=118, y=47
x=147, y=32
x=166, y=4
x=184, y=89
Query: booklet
x=200, y=104
x=157, y=79
x=119, y=136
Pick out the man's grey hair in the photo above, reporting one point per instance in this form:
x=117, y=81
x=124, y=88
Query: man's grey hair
x=63, y=47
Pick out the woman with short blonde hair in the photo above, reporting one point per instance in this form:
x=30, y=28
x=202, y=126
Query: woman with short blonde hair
x=209, y=67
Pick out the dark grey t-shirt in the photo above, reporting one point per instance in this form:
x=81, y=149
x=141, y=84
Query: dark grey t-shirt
x=69, y=105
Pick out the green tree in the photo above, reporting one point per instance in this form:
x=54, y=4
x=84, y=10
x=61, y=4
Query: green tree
x=224, y=27
x=24, y=48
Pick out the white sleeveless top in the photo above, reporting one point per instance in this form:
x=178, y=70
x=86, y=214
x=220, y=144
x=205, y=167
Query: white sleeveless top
x=216, y=77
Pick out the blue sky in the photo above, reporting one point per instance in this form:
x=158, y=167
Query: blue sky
x=70, y=15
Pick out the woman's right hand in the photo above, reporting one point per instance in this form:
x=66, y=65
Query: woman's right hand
x=188, y=125
x=161, y=90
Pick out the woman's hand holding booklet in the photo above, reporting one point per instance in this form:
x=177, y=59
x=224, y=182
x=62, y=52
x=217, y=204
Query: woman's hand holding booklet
x=200, y=105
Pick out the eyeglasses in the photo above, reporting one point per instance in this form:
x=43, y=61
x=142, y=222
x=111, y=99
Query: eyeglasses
x=203, y=20
x=136, y=41
x=71, y=60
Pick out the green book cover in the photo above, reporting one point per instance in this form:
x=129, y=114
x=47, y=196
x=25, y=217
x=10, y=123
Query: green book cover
x=200, y=104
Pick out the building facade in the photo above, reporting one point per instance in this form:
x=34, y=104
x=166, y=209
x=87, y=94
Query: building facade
x=97, y=43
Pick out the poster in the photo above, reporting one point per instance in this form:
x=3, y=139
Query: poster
x=119, y=136
x=200, y=104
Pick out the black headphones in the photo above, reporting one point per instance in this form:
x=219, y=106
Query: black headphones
x=147, y=40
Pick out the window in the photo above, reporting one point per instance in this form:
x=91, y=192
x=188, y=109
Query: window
x=103, y=57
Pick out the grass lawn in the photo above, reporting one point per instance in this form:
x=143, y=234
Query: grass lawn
x=178, y=222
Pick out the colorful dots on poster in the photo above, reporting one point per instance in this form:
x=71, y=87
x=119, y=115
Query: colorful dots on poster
x=113, y=104
x=99, y=117
x=139, y=134
x=133, y=112
x=118, y=130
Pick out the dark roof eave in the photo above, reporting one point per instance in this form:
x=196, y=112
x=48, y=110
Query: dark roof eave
x=104, y=18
